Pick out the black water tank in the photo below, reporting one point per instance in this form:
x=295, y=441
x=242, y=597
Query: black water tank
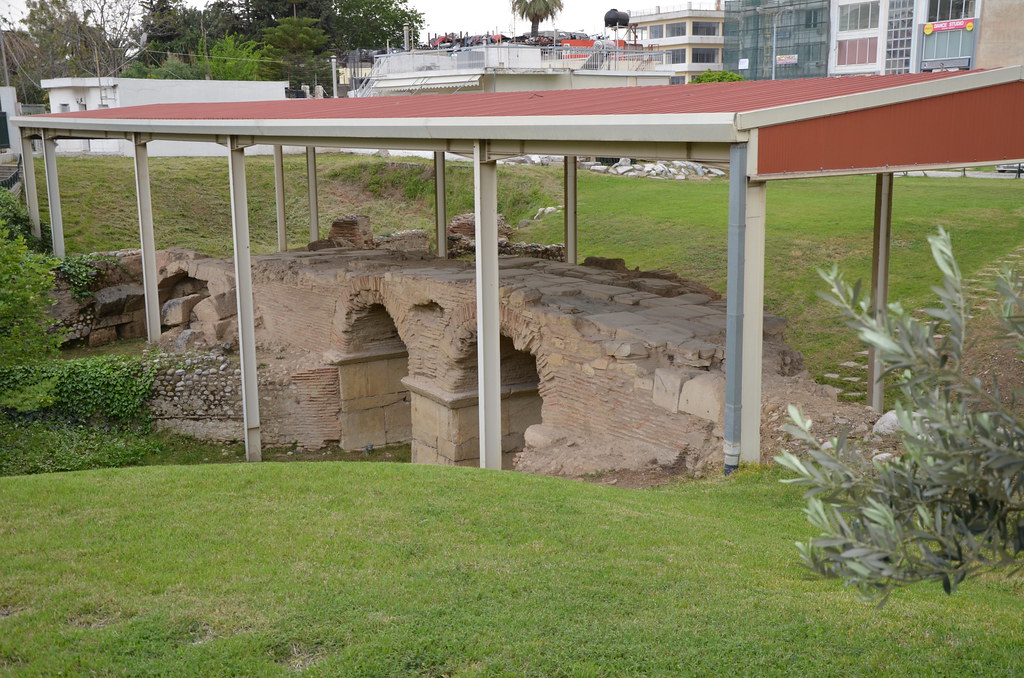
x=614, y=18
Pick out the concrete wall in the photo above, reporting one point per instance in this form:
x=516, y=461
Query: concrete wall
x=76, y=94
x=1002, y=27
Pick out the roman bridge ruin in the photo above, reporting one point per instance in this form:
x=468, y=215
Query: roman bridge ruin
x=600, y=368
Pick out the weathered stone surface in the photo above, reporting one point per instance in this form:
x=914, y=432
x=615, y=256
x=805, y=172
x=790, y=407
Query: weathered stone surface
x=366, y=347
x=354, y=228
x=179, y=311
x=116, y=300
x=704, y=396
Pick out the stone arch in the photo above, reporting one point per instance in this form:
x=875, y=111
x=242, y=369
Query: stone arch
x=372, y=359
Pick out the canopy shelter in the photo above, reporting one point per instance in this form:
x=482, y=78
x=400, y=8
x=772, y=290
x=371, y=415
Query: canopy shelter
x=764, y=131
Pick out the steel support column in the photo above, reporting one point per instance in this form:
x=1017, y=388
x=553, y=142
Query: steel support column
x=570, y=209
x=147, y=240
x=488, y=319
x=744, y=313
x=440, y=205
x=29, y=181
x=243, y=293
x=314, y=203
x=879, y=281
x=53, y=196
x=282, y=227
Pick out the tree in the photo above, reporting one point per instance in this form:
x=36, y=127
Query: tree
x=953, y=503
x=82, y=37
x=295, y=51
x=232, y=58
x=536, y=11
x=717, y=76
x=372, y=24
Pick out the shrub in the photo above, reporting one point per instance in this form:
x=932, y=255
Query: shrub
x=111, y=390
x=953, y=503
x=26, y=280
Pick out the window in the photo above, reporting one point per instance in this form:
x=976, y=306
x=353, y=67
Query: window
x=705, y=28
x=704, y=55
x=65, y=108
x=853, y=52
x=677, y=56
x=657, y=31
x=944, y=10
x=675, y=30
x=813, y=18
x=899, y=36
x=858, y=17
x=677, y=80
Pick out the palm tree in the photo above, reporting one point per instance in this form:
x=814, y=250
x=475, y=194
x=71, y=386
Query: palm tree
x=536, y=11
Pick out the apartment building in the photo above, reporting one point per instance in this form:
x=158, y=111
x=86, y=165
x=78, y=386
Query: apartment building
x=690, y=35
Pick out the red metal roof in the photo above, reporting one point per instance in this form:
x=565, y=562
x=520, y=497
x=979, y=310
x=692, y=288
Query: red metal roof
x=726, y=97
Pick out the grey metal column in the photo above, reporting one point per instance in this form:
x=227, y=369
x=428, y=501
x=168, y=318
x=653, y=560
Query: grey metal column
x=282, y=228
x=488, y=319
x=570, y=203
x=243, y=292
x=314, y=204
x=734, y=305
x=29, y=180
x=53, y=196
x=147, y=240
x=440, y=205
x=744, y=313
x=879, y=281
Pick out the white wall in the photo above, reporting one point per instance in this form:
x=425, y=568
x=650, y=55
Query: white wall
x=93, y=93
x=9, y=105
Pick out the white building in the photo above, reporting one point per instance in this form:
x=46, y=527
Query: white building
x=691, y=36
x=912, y=36
x=86, y=94
x=513, y=68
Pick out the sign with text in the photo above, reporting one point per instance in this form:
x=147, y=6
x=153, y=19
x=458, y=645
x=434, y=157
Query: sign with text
x=952, y=25
x=781, y=59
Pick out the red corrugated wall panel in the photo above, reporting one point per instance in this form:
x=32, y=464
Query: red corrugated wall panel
x=982, y=125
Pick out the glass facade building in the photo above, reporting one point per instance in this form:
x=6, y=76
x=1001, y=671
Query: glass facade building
x=777, y=39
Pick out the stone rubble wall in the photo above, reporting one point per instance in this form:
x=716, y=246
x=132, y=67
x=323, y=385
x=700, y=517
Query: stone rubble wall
x=602, y=367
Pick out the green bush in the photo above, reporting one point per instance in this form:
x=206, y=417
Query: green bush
x=110, y=390
x=25, y=283
x=40, y=447
x=14, y=223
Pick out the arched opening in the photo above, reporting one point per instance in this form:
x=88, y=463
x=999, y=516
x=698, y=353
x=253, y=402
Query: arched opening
x=521, y=400
x=375, y=409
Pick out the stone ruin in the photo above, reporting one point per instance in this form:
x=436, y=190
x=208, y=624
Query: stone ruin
x=602, y=367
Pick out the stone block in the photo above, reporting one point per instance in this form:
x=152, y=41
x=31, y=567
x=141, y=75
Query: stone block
x=668, y=384
x=362, y=428
x=115, y=300
x=226, y=330
x=101, y=336
x=179, y=311
x=398, y=422
x=704, y=396
x=541, y=436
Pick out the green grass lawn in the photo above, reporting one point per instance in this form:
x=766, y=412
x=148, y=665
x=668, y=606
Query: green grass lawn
x=398, y=570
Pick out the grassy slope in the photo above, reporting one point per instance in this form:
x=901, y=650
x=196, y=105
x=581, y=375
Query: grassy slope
x=191, y=205
x=376, y=570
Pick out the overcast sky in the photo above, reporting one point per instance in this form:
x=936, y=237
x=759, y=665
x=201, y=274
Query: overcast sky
x=470, y=16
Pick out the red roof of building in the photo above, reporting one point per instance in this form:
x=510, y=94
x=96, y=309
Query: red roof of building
x=725, y=97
